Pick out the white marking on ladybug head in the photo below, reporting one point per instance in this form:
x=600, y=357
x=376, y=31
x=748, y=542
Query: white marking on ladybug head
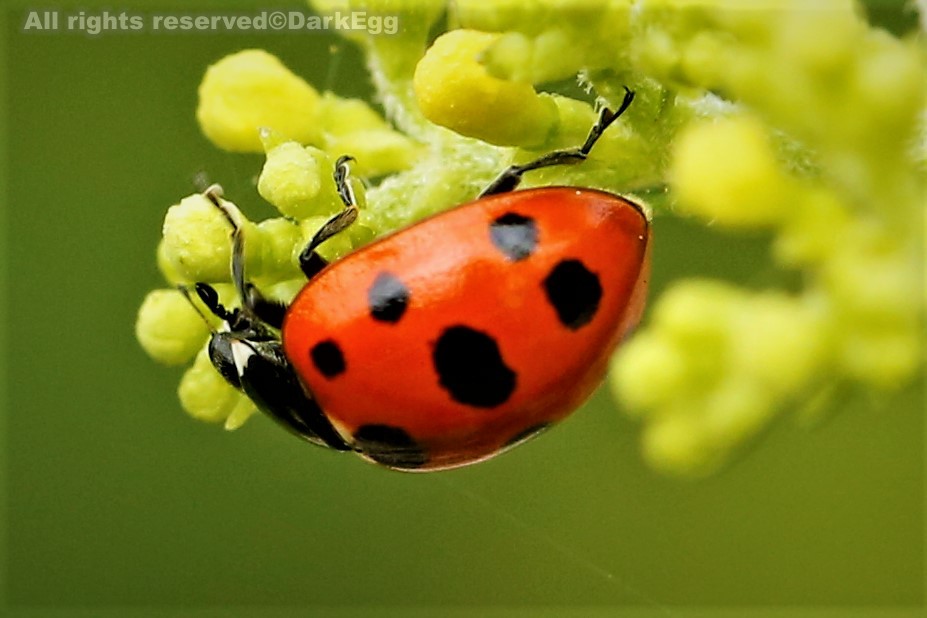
x=241, y=354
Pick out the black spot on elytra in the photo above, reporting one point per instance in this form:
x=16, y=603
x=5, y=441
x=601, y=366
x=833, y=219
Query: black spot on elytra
x=574, y=292
x=390, y=446
x=387, y=298
x=515, y=235
x=471, y=368
x=328, y=359
x=526, y=434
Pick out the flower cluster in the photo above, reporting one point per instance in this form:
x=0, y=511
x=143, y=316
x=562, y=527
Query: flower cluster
x=823, y=150
x=805, y=124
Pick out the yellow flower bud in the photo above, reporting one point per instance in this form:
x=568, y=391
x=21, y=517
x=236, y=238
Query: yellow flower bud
x=362, y=231
x=298, y=181
x=677, y=443
x=884, y=358
x=456, y=91
x=250, y=90
x=811, y=233
x=277, y=238
x=890, y=83
x=696, y=313
x=876, y=286
x=510, y=57
x=735, y=411
x=169, y=328
x=649, y=370
x=165, y=267
x=196, y=244
x=352, y=127
x=242, y=411
x=777, y=342
x=725, y=171
x=285, y=291
x=205, y=395
x=376, y=151
x=339, y=116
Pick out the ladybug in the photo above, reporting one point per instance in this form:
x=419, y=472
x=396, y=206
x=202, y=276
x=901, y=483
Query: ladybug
x=452, y=340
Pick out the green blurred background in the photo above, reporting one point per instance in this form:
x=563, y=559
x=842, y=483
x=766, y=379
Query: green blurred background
x=117, y=503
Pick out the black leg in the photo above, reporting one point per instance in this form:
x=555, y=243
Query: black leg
x=249, y=355
x=268, y=311
x=311, y=262
x=510, y=178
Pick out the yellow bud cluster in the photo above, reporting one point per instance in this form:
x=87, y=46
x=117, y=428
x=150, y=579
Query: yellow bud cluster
x=711, y=365
x=799, y=123
x=818, y=152
x=251, y=94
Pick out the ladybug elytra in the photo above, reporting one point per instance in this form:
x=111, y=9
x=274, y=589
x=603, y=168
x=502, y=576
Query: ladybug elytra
x=451, y=340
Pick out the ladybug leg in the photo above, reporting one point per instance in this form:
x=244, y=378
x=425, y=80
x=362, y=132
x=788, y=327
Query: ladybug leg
x=309, y=260
x=510, y=178
x=268, y=311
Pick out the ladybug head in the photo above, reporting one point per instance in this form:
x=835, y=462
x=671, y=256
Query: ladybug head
x=238, y=327
x=240, y=323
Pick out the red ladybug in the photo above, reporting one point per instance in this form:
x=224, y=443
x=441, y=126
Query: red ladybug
x=452, y=340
